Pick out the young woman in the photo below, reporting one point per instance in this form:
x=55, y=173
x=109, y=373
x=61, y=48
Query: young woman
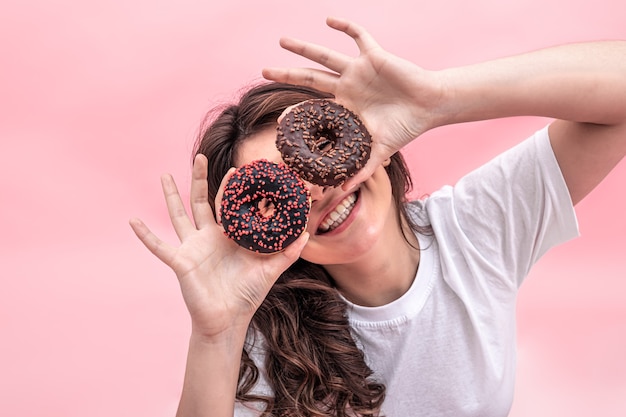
x=401, y=308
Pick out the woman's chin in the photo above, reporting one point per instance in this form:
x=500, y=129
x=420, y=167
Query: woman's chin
x=340, y=250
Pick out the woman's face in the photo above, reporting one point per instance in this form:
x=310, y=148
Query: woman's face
x=343, y=226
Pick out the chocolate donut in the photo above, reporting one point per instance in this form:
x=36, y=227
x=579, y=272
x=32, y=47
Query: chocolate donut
x=324, y=142
x=265, y=206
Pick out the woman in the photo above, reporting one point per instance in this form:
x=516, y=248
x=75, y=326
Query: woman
x=426, y=291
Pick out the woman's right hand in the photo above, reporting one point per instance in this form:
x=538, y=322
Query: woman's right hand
x=396, y=99
x=222, y=283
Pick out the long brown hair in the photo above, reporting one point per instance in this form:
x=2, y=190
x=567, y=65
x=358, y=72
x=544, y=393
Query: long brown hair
x=312, y=361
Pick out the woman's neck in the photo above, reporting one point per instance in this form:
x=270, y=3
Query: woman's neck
x=383, y=274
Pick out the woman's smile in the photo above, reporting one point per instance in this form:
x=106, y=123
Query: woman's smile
x=338, y=215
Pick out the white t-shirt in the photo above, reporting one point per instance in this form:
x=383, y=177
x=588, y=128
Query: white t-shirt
x=447, y=346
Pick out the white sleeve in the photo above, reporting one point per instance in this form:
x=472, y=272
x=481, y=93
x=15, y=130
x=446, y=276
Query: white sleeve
x=501, y=218
x=247, y=410
x=255, y=343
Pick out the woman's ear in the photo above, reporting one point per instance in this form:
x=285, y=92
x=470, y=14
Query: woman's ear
x=386, y=162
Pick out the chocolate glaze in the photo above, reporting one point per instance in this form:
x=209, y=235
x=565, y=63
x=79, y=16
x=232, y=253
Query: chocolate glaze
x=244, y=221
x=324, y=142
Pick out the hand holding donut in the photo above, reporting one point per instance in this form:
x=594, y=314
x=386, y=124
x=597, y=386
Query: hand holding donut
x=222, y=283
x=396, y=99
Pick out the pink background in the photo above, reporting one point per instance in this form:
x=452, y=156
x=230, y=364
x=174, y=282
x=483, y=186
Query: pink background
x=98, y=98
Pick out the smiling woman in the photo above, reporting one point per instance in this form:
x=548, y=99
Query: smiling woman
x=328, y=351
x=384, y=306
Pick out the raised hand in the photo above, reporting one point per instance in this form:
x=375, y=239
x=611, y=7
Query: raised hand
x=397, y=100
x=222, y=284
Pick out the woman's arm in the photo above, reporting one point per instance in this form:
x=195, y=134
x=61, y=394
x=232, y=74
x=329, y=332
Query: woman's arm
x=582, y=85
x=211, y=375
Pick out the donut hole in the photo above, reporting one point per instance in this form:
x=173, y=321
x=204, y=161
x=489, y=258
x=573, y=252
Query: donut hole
x=266, y=208
x=323, y=144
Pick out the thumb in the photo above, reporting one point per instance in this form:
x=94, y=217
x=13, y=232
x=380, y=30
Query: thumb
x=283, y=259
x=367, y=171
x=292, y=252
x=279, y=262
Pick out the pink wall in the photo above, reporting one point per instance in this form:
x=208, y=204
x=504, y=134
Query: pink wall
x=99, y=98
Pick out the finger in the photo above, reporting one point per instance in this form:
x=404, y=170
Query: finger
x=327, y=57
x=178, y=215
x=359, y=178
x=199, y=195
x=363, y=39
x=220, y=194
x=308, y=77
x=362, y=175
x=155, y=245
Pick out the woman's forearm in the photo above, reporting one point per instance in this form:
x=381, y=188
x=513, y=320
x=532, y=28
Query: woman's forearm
x=583, y=86
x=578, y=82
x=211, y=376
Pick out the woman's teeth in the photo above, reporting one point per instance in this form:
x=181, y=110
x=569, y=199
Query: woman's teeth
x=337, y=216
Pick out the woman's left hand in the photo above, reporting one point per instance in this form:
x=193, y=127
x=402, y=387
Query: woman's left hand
x=396, y=99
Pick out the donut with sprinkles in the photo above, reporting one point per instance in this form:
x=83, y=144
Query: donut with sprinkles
x=265, y=206
x=323, y=141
